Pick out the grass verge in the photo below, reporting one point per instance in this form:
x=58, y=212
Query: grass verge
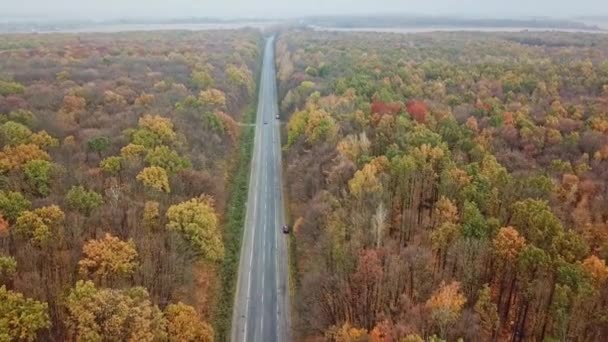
x=235, y=220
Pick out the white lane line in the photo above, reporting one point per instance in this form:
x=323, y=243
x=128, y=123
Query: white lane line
x=263, y=280
x=256, y=163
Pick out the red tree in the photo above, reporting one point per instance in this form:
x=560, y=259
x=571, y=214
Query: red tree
x=418, y=110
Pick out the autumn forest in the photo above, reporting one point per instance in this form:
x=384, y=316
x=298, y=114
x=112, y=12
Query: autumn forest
x=439, y=186
x=447, y=186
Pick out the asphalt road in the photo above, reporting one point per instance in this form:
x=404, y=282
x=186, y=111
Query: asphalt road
x=261, y=307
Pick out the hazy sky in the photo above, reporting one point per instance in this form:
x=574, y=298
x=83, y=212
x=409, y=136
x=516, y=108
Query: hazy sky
x=91, y=9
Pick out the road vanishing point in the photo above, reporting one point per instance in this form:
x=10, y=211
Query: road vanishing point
x=261, y=304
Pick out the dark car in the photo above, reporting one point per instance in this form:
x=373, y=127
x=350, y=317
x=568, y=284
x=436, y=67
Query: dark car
x=285, y=229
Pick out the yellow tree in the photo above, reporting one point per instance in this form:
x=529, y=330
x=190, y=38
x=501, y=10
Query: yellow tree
x=40, y=226
x=185, y=325
x=108, y=258
x=197, y=223
x=21, y=318
x=100, y=314
x=446, y=305
x=155, y=178
x=346, y=333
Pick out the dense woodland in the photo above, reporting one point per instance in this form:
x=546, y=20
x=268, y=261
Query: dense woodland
x=116, y=151
x=447, y=185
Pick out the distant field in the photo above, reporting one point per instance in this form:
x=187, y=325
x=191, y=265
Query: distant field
x=425, y=29
x=90, y=27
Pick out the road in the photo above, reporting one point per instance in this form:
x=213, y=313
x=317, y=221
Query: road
x=261, y=306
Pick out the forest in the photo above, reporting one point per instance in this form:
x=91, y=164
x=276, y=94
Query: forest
x=116, y=155
x=447, y=186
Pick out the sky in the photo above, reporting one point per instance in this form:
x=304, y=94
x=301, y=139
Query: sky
x=105, y=9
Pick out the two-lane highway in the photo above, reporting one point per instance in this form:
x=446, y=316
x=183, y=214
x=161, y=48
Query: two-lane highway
x=261, y=306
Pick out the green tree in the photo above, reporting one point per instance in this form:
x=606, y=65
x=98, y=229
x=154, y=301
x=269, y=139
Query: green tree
x=38, y=175
x=14, y=133
x=83, y=200
x=21, y=318
x=10, y=88
x=166, y=158
x=12, y=204
x=99, y=144
x=197, y=222
x=487, y=312
x=473, y=223
x=8, y=268
x=111, y=165
x=201, y=79
x=535, y=220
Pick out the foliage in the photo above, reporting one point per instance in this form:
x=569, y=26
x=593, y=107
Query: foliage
x=198, y=224
x=82, y=200
x=40, y=226
x=12, y=204
x=155, y=178
x=107, y=258
x=10, y=88
x=21, y=318
x=184, y=324
x=164, y=157
x=38, y=175
x=96, y=314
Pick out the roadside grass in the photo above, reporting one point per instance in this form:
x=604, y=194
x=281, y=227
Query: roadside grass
x=235, y=217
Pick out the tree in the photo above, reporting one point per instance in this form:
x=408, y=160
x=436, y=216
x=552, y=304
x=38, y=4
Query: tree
x=418, y=110
x=154, y=130
x=107, y=258
x=38, y=176
x=8, y=268
x=21, y=319
x=487, y=312
x=73, y=103
x=445, y=305
x=597, y=269
x=40, y=226
x=14, y=133
x=132, y=151
x=82, y=200
x=10, y=88
x=12, y=158
x=43, y=140
x=185, y=325
x=155, y=178
x=99, y=145
x=12, y=204
x=213, y=99
x=201, y=79
x=100, y=314
x=151, y=214
x=111, y=165
x=508, y=244
x=473, y=223
x=535, y=220
x=163, y=156
x=346, y=333
x=198, y=224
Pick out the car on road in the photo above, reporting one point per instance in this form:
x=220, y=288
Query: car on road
x=285, y=229
x=265, y=122
x=277, y=116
